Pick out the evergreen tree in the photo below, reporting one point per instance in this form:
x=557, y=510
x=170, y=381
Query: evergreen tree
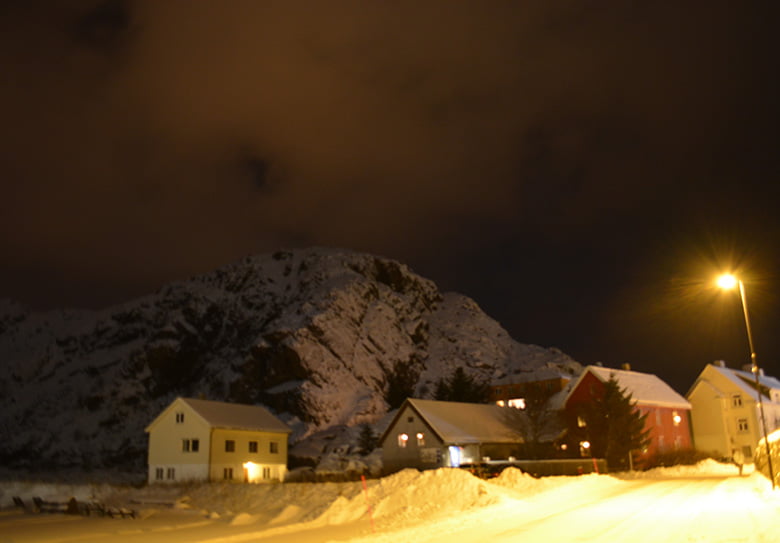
x=401, y=382
x=460, y=387
x=367, y=439
x=613, y=425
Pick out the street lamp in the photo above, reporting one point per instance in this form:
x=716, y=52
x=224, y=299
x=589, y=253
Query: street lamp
x=728, y=282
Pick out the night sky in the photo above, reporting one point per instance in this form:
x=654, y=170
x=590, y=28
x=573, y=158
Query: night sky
x=581, y=169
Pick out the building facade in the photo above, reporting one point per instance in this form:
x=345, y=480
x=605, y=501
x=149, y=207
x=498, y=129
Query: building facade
x=211, y=441
x=726, y=415
x=427, y=434
x=668, y=413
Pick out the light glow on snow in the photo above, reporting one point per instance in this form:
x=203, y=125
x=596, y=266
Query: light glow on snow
x=709, y=502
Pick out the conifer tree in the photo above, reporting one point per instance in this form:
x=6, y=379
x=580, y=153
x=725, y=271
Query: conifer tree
x=460, y=387
x=367, y=439
x=613, y=425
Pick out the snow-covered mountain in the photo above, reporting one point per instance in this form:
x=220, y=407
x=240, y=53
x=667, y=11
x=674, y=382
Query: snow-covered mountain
x=316, y=335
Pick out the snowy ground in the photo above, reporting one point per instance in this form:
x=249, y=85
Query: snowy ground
x=707, y=503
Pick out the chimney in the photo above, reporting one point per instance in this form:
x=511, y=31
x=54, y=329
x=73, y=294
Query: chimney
x=625, y=366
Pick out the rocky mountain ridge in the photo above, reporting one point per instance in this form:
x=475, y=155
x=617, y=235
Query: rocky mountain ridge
x=317, y=335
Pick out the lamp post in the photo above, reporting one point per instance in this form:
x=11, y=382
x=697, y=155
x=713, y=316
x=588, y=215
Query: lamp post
x=728, y=282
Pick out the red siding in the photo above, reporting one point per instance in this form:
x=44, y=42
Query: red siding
x=665, y=435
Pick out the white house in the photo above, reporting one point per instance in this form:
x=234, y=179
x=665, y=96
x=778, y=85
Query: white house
x=726, y=415
x=428, y=434
x=208, y=441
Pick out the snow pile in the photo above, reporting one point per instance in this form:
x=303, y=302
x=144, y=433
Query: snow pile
x=706, y=502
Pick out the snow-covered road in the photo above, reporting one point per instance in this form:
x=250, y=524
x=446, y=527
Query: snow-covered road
x=708, y=503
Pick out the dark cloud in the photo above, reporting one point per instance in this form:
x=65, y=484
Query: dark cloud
x=146, y=140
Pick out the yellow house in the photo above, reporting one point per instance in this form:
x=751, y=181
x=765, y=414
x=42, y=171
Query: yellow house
x=213, y=441
x=726, y=416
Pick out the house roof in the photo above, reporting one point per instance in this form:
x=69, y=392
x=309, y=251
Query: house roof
x=232, y=415
x=458, y=422
x=646, y=388
x=742, y=380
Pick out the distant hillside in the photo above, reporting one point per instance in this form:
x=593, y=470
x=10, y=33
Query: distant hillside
x=314, y=334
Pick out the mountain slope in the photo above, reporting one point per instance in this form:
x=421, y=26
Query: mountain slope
x=314, y=334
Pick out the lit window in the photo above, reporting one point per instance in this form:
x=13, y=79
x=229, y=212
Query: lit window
x=253, y=446
x=230, y=445
x=736, y=400
x=580, y=422
x=500, y=403
x=517, y=403
x=420, y=439
x=742, y=425
x=179, y=418
x=273, y=447
x=227, y=473
x=402, y=440
x=676, y=418
x=584, y=448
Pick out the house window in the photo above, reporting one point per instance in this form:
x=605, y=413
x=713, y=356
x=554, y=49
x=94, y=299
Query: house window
x=402, y=440
x=736, y=400
x=230, y=445
x=273, y=447
x=420, y=439
x=159, y=474
x=227, y=473
x=179, y=418
x=410, y=419
x=581, y=422
x=742, y=425
x=190, y=445
x=266, y=473
x=170, y=474
x=253, y=446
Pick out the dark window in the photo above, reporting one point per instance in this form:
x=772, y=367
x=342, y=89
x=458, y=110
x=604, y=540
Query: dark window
x=227, y=473
x=159, y=473
x=253, y=446
x=195, y=445
x=230, y=445
x=273, y=447
x=171, y=474
x=179, y=418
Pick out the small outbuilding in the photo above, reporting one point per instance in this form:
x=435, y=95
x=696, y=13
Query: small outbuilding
x=208, y=441
x=427, y=434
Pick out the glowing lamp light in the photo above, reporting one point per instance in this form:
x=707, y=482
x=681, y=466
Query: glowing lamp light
x=677, y=419
x=727, y=281
x=404, y=437
x=585, y=444
x=419, y=435
x=252, y=471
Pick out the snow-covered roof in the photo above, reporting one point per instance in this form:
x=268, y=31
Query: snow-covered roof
x=236, y=416
x=745, y=380
x=458, y=422
x=646, y=388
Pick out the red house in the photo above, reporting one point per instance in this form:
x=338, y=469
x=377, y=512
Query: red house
x=668, y=413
